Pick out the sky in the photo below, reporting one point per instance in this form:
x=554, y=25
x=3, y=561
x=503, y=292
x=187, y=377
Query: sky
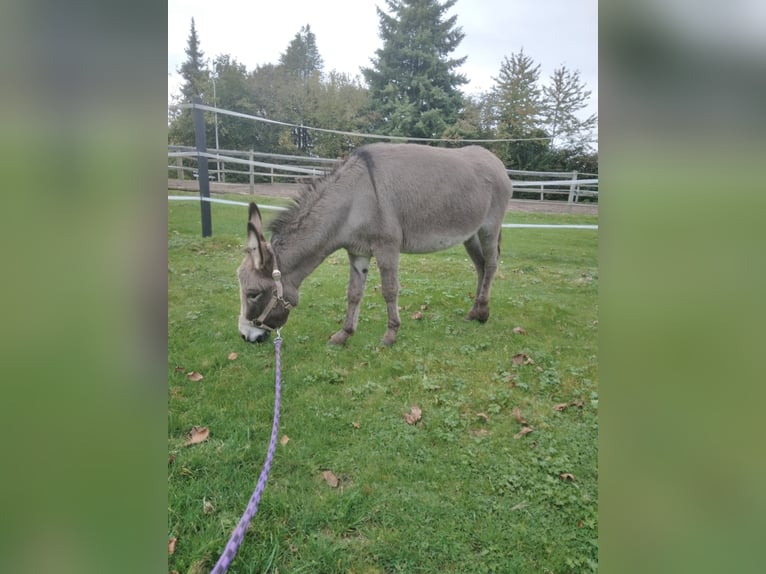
x=553, y=33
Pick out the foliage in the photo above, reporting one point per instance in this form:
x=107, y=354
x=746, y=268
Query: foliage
x=364, y=481
x=302, y=58
x=563, y=98
x=196, y=82
x=413, y=85
x=412, y=90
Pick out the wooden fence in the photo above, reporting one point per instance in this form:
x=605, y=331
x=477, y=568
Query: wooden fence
x=531, y=184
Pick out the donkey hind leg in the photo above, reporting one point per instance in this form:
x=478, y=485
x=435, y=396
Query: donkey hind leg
x=484, y=250
x=388, y=263
x=359, y=265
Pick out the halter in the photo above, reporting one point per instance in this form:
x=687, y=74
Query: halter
x=277, y=298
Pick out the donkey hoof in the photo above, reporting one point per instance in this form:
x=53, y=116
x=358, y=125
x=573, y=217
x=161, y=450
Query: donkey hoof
x=478, y=315
x=338, y=338
x=387, y=340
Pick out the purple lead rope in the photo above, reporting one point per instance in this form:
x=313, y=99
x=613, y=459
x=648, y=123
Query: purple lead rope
x=252, y=507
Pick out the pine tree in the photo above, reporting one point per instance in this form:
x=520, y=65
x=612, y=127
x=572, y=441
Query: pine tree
x=515, y=111
x=413, y=85
x=302, y=58
x=517, y=98
x=196, y=77
x=196, y=83
x=564, y=97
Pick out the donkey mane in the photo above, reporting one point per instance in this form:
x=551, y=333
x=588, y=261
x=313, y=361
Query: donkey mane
x=311, y=192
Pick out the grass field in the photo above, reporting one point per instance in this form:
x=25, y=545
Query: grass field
x=465, y=489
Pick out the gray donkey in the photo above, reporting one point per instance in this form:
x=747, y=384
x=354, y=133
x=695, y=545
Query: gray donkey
x=383, y=200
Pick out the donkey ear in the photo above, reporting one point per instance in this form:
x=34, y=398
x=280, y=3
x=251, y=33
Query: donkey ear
x=256, y=243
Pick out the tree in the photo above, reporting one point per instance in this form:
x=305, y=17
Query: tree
x=302, y=59
x=196, y=77
x=414, y=88
x=564, y=97
x=517, y=97
x=196, y=83
x=515, y=108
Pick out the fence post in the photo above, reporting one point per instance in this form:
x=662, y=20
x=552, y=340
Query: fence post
x=204, y=181
x=572, y=187
x=252, y=173
x=180, y=168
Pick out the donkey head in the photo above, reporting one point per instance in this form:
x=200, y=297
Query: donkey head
x=264, y=306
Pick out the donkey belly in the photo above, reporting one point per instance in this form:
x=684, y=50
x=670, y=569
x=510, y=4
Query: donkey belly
x=436, y=240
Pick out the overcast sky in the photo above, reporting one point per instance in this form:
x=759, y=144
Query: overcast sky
x=552, y=32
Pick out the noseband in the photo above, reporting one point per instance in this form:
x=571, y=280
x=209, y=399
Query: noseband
x=277, y=298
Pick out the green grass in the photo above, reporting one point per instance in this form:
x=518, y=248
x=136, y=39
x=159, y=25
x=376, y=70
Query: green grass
x=456, y=493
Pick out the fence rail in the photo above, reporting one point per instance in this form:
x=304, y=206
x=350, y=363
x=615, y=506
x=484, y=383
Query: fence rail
x=524, y=182
x=573, y=187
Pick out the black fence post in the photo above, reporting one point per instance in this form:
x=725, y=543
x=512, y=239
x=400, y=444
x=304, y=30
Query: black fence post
x=204, y=181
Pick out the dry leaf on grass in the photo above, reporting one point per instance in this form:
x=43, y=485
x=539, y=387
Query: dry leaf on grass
x=284, y=440
x=194, y=376
x=523, y=431
x=330, y=478
x=232, y=356
x=567, y=476
x=522, y=359
x=423, y=307
x=179, y=369
x=356, y=425
x=480, y=432
x=517, y=415
x=414, y=415
x=519, y=330
x=417, y=315
x=578, y=403
x=197, y=435
x=207, y=507
x=560, y=406
x=483, y=416
x=172, y=545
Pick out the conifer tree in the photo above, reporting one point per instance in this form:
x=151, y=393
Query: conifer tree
x=414, y=87
x=196, y=77
x=563, y=98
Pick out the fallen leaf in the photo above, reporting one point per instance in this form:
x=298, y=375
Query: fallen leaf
x=330, y=478
x=197, y=435
x=417, y=315
x=171, y=459
x=414, y=415
x=480, y=432
x=578, y=404
x=171, y=545
x=522, y=359
x=232, y=356
x=194, y=376
x=519, y=330
x=284, y=440
x=423, y=307
x=179, y=369
x=207, y=507
x=356, y=425
x=579, y=524
x=517, y=415
x=567, y=476
x=523, y=431
x=560, y=406
x=483, y=416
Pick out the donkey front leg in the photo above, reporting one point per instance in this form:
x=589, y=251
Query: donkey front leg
x=388, y=263
x=359, y=265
